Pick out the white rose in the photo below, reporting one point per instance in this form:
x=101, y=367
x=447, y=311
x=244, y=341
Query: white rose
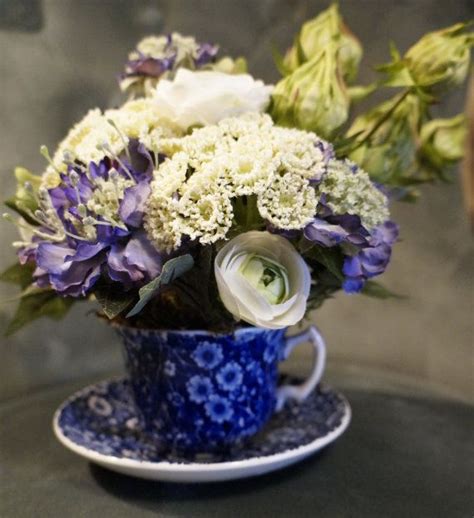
x=263, y=280
x=206, y=97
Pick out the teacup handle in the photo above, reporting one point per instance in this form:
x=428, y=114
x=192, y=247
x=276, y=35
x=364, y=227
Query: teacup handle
x=301, y=392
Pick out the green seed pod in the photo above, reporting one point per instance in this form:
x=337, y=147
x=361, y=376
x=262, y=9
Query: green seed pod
x=314, y=96
x=443, y=140
x=388, y=136
x=318, y=33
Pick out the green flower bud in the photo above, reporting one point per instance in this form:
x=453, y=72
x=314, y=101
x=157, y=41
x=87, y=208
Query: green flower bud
x=441, y=57
x=443, y=140
x=387, y=135
x=27, y=185
x=269, y=278
x=319, y=32
x=438, y=61
x=314, y=96
x=228, y=65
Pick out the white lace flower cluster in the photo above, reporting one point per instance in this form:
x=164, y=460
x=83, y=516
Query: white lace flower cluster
x=349, y=190
x=193, y=188
x=99, y=135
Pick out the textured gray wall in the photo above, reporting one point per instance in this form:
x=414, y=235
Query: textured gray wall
x=60, y=57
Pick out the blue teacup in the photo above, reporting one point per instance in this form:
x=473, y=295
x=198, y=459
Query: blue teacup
x=204, y=392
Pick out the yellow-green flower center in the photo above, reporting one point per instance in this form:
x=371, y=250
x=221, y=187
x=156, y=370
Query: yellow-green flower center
x=269, y=278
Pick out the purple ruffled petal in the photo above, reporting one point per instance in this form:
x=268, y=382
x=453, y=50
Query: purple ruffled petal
x=119, y=269
x=352, y=267
x=353, y=284
x=142, y=253
x=51, y=257
x=85, y=251
x=71, y=272
x=133, y=204
x=323, y=233
x=136, y=262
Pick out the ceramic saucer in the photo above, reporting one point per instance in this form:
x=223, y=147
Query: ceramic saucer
x=100, y=424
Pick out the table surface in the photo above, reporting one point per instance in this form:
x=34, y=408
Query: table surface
x=402, y=456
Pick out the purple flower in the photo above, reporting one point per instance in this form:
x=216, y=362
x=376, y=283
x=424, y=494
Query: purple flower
x=336, y=229
x=367, y=253
x=87, y=244
x=70, y=271
x=170, y=54
x=133, y=204
x=323, y=233
x=206, y=53
x=371, y=260
x=148, y=66
x=135, y=262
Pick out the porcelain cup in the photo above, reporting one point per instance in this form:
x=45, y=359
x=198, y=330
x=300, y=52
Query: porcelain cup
x=205, y=392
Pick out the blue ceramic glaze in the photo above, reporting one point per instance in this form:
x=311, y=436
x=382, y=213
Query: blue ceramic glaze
x=201, y=391
x=103, y=419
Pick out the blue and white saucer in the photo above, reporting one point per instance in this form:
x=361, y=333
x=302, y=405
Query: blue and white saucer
x=100, y=424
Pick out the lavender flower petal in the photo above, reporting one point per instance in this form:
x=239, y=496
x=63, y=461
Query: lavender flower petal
x=323, y=233
x=132, y=206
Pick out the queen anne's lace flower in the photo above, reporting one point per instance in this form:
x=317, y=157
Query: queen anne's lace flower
x=193, y=188
x=85, y=141
x=99, y=134
x=289, y=203
x=138, y=117
x=207, y=215
x=349, y=190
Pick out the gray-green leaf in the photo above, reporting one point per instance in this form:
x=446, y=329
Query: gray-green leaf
x=172, y=269
x=18, y=274
x=376, y=290
x=330, y=260
x=45, y=303
x=112, y=299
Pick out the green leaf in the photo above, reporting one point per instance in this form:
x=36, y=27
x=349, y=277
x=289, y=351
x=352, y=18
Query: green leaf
x=360, y=92
x=112, y=299
x=45, y=303
x=12, y=203
x=376, y=290
x=279, y=61
x=330, y=260
x=172, y=269
x=18, y=274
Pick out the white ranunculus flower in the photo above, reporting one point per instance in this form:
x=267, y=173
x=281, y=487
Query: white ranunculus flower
x=263, y=280
x=206, y=97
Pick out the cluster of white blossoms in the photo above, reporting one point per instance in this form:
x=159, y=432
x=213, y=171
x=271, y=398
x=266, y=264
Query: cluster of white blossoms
x=193, y=189
x=100, y=134
x=349, y=190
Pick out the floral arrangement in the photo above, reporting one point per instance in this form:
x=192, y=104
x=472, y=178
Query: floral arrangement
x=210, y=199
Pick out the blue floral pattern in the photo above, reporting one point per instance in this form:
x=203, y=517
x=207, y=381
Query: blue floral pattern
x=200, y=389
x=119, y=433
x=230, y=377
x=208, y=355
x=203, y=391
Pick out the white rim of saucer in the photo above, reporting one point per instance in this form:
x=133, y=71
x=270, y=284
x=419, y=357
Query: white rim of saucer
x=189, y=467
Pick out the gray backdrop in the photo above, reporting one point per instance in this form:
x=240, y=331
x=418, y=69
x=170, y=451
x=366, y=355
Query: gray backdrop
x=59, y=58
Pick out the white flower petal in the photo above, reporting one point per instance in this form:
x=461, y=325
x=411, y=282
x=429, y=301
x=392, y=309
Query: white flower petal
x=206, y=97
x=244, y=300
